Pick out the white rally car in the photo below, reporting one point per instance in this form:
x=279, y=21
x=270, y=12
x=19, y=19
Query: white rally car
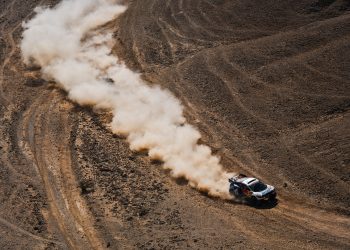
x=251, y=189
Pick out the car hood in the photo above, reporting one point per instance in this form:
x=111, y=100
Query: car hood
x=268, y=189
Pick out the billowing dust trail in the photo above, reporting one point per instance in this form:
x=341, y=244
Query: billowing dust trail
x=150, y=117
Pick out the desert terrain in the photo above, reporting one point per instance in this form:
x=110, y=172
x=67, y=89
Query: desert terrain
x=266, y=83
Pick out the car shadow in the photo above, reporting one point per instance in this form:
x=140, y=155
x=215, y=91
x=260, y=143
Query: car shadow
x=262, y=205
x=265, y=204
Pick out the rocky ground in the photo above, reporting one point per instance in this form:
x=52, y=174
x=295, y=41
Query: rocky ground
x=267, y=84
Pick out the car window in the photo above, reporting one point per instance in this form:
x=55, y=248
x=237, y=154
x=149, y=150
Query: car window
x=258, y=186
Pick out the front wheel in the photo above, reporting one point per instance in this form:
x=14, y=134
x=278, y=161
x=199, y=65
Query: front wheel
x=272, y=197
x=254, y=201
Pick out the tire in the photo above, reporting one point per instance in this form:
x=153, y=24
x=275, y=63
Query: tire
x=254, y=201
x=272, y=197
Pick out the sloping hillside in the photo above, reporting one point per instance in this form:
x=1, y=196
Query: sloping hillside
x=267, y=84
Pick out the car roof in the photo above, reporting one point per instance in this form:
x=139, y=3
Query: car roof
x=247, y=180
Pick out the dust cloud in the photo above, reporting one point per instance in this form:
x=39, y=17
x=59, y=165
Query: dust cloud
x=73, y=48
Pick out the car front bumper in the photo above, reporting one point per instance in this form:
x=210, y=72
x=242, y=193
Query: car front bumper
x=269, y=196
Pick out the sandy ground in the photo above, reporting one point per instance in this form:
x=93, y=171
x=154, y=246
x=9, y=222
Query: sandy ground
x=267, y=84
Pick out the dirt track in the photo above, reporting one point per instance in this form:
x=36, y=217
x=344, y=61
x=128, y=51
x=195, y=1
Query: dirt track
x=271, y=98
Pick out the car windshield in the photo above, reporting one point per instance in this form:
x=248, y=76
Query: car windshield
x=258, y=186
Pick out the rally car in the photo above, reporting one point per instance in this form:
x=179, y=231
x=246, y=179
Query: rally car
x=251, y=189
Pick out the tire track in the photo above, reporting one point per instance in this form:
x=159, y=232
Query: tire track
x=7, y=12
x=10, y=42
x=46, y=129
x=26, y=233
